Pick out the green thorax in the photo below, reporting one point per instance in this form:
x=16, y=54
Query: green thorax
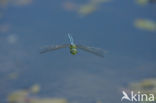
x=73, y=49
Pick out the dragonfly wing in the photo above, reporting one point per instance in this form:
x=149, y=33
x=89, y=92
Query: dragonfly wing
x=52, y=48
x=96, y=51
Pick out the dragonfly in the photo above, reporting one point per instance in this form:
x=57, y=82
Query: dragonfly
x=74, y=48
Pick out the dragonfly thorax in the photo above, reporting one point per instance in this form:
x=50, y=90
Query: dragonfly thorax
x=73, y=49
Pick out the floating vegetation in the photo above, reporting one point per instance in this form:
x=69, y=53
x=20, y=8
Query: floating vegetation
x=84, y=9
x=25, y=96
x=35, y=88
x=5, y=3
x=90, y=7
x=145, y=24
x=48, y=100
x=13, y=75
x=144, y=2
x=20, y=96
x=145, y=86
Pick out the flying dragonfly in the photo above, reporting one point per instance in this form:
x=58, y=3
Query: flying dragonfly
x=74, y=48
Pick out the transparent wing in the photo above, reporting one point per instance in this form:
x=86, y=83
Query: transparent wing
x=52, y=48
x=96, y=51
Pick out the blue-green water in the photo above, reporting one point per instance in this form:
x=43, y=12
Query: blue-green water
x=84, y=77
